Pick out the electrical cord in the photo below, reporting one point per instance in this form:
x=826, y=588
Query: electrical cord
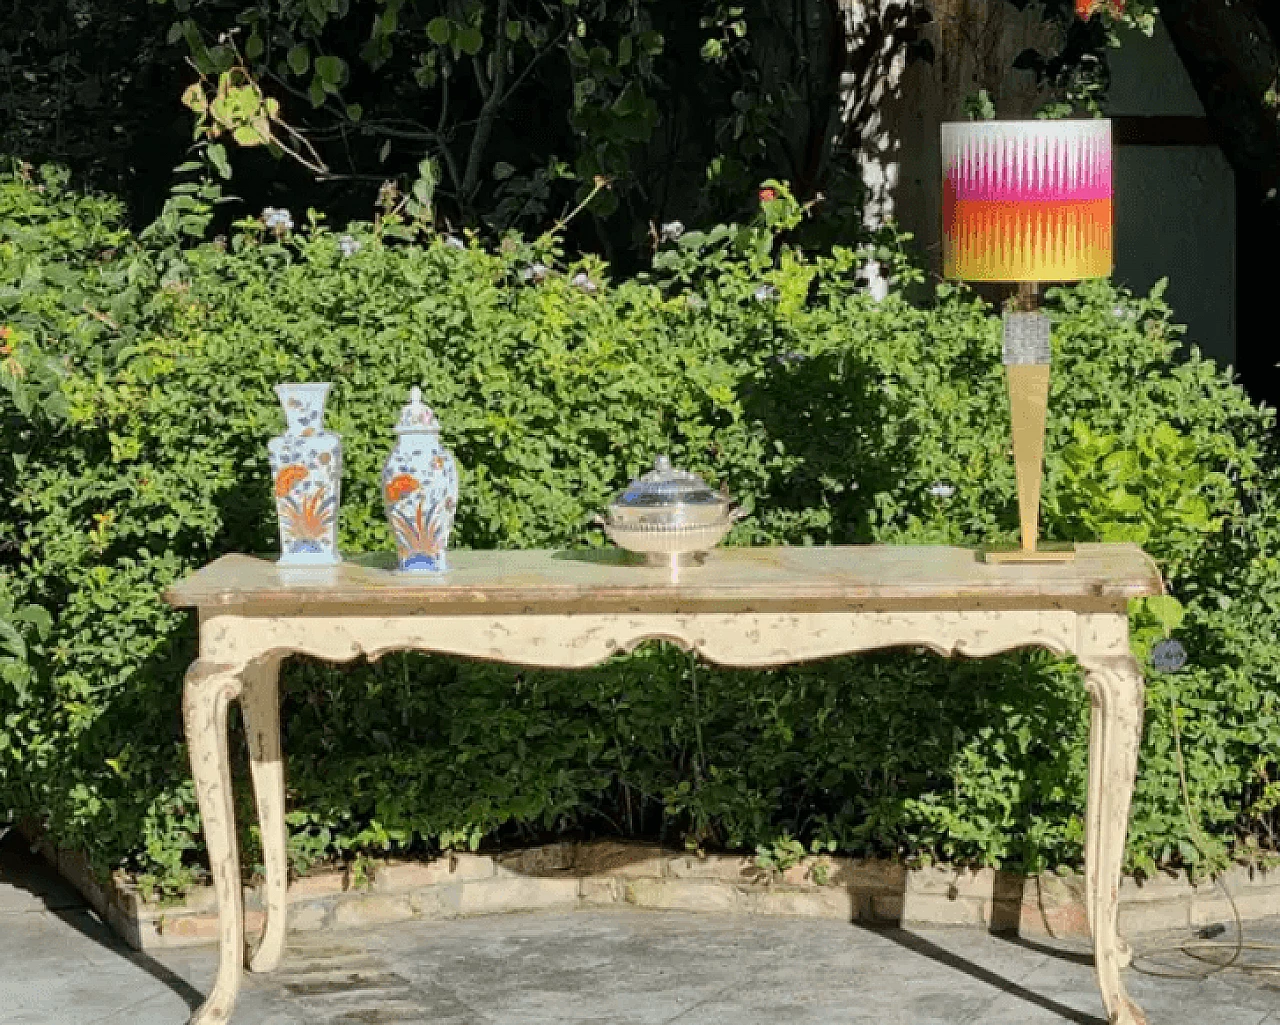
x=1203, y=945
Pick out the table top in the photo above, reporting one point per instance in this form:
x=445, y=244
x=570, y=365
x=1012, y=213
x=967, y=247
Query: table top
x=812, y=578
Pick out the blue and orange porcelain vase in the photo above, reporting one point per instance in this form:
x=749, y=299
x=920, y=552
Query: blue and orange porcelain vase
x=420, y=490
x=306, y=465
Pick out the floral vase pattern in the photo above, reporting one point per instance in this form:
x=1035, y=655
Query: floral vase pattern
x=420, y=490
x=306, y=465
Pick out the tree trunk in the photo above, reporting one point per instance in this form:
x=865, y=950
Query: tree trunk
x=908, y=67
x=876, y=35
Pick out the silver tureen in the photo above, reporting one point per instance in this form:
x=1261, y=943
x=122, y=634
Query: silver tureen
x=670, y=517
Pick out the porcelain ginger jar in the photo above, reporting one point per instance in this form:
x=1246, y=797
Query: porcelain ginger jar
x=306, y=467
x=420, y=490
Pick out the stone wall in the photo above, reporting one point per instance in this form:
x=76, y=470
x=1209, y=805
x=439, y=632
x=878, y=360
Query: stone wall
x=613, y=875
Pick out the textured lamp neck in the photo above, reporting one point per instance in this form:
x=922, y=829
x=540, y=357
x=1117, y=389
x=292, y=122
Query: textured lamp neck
x=1027, y=299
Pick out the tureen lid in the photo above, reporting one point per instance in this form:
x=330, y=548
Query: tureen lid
x=416, y=417
x=665, y=486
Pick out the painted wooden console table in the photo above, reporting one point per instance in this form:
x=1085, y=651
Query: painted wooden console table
x=745, y=607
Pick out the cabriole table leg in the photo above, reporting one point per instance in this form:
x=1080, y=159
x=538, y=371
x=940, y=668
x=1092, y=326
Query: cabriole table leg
x=260, y=704
x=209, y=690
x=1115, y=687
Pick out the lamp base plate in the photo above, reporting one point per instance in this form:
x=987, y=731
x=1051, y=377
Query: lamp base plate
x=1043, y=552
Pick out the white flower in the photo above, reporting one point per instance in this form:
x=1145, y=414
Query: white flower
x=765, y=293
x=583, y=281
x=453, y=242
x=695, y=301
x=941, y=490
x=277, y=218
x=535, y=272
x=349, y=246
x=671, y=231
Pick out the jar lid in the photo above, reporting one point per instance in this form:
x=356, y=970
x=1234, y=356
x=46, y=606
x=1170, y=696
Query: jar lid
x=416, y=417
x=666, y=494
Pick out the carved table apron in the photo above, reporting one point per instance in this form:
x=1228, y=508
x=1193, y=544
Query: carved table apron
x=746, y=607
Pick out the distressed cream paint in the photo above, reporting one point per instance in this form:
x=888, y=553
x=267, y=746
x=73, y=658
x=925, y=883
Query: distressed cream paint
x=754, y=607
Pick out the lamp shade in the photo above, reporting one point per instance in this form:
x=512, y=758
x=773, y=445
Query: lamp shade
x=1026, y=200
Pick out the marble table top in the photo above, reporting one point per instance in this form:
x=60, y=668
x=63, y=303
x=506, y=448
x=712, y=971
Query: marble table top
x=816, y=578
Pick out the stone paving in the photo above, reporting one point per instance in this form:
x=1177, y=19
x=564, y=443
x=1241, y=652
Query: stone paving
x=59, y=964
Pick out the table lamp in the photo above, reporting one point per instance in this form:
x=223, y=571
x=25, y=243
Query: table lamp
x=1027, y=202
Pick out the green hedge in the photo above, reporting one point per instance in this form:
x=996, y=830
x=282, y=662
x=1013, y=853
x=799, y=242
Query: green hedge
x=836, y=419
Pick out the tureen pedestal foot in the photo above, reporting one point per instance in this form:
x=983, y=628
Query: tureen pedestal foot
x=670, y=560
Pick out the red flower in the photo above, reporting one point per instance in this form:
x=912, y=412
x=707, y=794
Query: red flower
x=1086, y=8
x=288, y=476
x=399, y=486
x=768, y=195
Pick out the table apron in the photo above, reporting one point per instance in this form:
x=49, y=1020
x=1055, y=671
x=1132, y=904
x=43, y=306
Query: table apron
x=738, y=639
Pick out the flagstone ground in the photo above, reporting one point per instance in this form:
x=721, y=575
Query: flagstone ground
x=59, y=965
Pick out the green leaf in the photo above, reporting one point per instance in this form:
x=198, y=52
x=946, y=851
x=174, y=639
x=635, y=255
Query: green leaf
x=650, y=42
x=439, y=30
x=11, y=641
x=1166, y=610
x=514, y=31
x=218, y=157
x=299, y=59
x=332, y=70
x=424, y=188
x=470, y=41
x=194, y=99
x=254, y=46
x=979, y=106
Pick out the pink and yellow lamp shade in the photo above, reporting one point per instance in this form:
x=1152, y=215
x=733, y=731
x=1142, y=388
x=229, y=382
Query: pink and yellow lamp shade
x=1027, y=200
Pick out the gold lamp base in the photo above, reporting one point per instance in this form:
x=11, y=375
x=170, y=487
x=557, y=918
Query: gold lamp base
x=1028, y=406
x=1045, y=551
